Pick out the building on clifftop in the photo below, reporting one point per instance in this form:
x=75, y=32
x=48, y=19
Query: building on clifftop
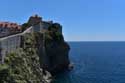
x=7, y=28
x=40, y=25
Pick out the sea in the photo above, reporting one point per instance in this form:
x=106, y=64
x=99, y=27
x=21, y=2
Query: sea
x=95, y=62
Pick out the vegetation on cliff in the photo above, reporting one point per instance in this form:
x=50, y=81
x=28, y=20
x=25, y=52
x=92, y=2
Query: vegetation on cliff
x=23, y=65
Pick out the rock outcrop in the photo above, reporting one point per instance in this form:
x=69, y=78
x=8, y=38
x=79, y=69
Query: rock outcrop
x=54, y=54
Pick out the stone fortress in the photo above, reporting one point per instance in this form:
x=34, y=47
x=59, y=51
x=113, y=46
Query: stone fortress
x=11, y=34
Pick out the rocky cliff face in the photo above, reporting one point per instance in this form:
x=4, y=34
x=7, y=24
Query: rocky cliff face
x=58, y=56
x=56, y=51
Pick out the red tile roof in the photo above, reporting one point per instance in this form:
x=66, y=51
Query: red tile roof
x=10, y=25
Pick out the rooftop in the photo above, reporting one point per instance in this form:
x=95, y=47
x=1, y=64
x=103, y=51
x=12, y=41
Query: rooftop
x=9, y=25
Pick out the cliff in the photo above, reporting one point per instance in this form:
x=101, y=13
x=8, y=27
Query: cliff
x=52, y=49
x=56, y=51
x=41, y=53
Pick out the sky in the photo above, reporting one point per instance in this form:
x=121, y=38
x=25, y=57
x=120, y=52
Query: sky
x=82, y=20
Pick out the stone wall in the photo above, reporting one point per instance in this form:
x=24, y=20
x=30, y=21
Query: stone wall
x=11, y=43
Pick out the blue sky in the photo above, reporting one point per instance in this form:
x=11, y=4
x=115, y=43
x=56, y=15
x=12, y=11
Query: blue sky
x=82, y=20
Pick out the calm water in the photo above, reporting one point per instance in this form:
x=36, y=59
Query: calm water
x=95, y=62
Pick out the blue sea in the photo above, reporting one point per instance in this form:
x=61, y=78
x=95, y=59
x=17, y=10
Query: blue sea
x=95, y=62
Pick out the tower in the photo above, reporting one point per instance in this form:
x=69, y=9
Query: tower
x=35, y=19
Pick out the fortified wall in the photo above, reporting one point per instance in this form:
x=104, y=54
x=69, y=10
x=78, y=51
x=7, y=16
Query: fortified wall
x=11, y=43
